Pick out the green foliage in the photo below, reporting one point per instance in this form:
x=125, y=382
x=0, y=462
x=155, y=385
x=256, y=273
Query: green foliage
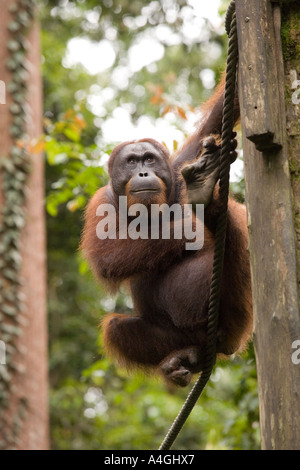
x=79, y=167
x=118, y=413
x=93, y=404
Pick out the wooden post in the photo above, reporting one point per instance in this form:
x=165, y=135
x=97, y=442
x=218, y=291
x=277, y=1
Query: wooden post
x=270, y=221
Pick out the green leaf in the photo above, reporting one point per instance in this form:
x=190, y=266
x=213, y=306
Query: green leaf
x=72, y=134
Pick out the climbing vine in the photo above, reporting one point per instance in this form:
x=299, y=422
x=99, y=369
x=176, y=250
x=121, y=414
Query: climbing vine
x=14, y=169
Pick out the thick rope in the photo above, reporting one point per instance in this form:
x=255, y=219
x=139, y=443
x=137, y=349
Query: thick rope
x=229, y=16
x=220, y=237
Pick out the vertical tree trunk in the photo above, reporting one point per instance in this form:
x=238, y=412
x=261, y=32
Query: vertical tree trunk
x=23, y=379
x=271, y=219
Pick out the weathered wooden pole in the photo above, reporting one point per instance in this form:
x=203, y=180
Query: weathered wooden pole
x=272, y=236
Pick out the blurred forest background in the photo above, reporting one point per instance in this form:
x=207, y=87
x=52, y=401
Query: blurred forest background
x=114, y=71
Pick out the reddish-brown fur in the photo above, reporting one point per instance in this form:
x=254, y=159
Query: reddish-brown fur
x=170, y=286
